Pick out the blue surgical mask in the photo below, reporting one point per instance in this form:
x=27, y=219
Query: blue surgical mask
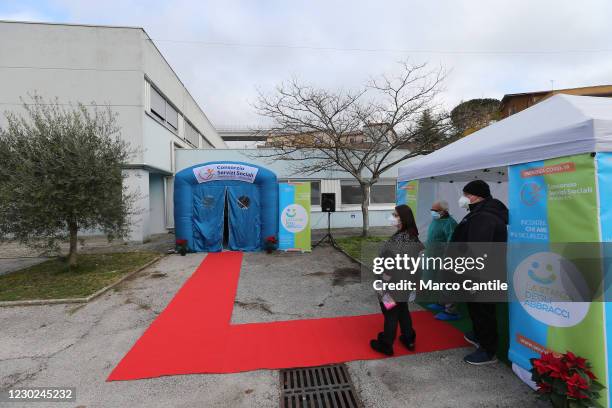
x=435, y=215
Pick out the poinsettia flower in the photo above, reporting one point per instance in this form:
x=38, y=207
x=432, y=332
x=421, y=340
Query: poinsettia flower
x=575, y=361
x=541, y=367
x=557, y=369
x=577, y=381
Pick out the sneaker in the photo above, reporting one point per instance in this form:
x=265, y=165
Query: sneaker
x=381, y=347
x=470, y=337
x=436, y=307
x=447, y=317
x=480, y=357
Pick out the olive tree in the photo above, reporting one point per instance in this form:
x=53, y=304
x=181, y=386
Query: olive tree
x=61, y=173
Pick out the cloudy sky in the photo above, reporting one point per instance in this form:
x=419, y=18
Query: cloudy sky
x=225, y=50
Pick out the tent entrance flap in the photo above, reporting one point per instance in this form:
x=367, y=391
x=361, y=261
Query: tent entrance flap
x=244, y=217
x=208, y=209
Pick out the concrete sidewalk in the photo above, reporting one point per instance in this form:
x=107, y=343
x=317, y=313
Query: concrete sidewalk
x=67, y=345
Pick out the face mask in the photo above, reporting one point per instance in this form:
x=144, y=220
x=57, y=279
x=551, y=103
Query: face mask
x=394, y=222
x=435, y=215
x=464, y=202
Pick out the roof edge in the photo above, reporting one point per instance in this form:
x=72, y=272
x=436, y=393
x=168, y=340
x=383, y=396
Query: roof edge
x=70, y=24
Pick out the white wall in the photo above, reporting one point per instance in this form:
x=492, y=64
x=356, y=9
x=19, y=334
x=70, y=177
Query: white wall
x=105, y=65
x=157, y=145
x=157, y=203
x=164, y=78
x=137, y=181
x=74, y=64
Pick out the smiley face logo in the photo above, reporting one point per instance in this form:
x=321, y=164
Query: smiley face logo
x=294, y=218
x=551, y=289
x=534, y=273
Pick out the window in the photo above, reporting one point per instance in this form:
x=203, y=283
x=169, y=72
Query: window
x=171, y=116
x=191, y=134
x=350, y=192
x=315, y=189
x=163, y=110
x=315, y=192
x=382, y=193
x=158, y=104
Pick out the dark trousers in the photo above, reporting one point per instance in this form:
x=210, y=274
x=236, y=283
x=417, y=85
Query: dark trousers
x=398, y=314
x=484, y=322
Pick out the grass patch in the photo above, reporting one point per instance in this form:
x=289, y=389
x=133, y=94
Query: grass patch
x=53, y=280
x=354, y=246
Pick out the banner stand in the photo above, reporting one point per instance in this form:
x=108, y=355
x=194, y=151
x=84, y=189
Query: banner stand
x=294, y=217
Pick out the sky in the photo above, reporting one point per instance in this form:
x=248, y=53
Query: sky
x=224, y=51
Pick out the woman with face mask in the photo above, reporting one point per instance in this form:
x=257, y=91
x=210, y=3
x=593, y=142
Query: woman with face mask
x=404, y=241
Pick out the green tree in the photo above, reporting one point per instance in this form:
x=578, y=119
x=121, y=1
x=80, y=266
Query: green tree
x=62, y=173
x=430, y=132
x=473, y=115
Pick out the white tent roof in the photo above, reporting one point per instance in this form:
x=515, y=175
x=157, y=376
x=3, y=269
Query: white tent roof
x=558, y=126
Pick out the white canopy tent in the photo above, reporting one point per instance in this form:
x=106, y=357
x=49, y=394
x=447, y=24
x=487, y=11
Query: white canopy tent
x=562, y=125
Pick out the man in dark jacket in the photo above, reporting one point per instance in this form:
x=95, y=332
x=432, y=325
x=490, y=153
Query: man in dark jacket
x=485, y=222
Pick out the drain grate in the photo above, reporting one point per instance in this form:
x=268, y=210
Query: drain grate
x=317, y=387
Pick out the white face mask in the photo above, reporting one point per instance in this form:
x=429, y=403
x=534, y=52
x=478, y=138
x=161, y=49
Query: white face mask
x=464, y=202
x=394, y=222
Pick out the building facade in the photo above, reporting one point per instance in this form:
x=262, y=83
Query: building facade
x=120, y=67
x=513, y=103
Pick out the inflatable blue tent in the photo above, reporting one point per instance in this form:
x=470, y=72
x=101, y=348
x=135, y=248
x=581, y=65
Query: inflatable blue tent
x=232, y=200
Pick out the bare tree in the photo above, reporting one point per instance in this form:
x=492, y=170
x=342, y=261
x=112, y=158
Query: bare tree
x=363, y=132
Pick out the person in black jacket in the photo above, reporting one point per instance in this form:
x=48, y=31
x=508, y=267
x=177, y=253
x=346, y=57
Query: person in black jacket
x=485, y=222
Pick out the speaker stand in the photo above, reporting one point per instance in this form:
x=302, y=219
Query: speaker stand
x=327, y=237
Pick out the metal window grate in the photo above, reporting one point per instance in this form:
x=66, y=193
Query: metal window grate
x=317, y=387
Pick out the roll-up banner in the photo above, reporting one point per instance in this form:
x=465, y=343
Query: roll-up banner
x=553, y=204
x=407, y=192
x=294, y=218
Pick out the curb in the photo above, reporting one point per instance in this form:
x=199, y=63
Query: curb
x=38, y=302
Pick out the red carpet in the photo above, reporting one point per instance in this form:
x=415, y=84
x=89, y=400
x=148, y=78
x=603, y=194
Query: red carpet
x=194, y=335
